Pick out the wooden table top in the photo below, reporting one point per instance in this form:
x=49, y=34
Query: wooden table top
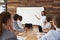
x=30, y=35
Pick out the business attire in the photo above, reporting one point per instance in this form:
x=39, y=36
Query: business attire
x=52, y=35
x=16, y=27
x=42, y=20
x=7, y=35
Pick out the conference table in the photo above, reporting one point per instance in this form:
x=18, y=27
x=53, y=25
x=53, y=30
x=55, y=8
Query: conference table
x=30, y=35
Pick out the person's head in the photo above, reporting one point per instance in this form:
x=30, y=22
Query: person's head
x=43, y=13
x=20, y=18
x=56, y=21
x=28, y=26
x=6, y=20
x=16, y=17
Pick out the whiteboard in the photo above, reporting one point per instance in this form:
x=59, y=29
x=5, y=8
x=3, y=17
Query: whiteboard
x=28, y=14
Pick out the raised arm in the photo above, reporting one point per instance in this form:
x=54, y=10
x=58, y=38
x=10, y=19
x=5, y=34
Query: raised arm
x=37, y=17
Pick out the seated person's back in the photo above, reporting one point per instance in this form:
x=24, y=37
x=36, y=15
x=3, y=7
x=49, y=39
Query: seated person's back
x=17, y=26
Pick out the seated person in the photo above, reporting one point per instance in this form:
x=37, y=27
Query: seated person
x=19, y=22
x=53, y=34
x=17, y=26
x=29, y=33
x=47, y=25
x=5, y=26
x=28, y=27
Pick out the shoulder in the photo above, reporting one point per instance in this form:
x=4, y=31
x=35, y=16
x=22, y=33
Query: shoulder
x=9, y=35
x=12, y=36
x=43, y=38
x=50, y=32
x=44, y=16
x=48, y=36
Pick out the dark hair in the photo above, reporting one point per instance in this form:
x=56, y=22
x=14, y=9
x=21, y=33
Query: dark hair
x=28, y=25
x=5, y=17
x=20, y=18
x=56, y=20
x=44, y=13
x=15, y=17
x=48, y=19
x=1, y=28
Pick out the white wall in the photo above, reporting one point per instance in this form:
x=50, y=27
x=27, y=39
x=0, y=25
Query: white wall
x=28, y=14
x=1, y=1
x=2, y=8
